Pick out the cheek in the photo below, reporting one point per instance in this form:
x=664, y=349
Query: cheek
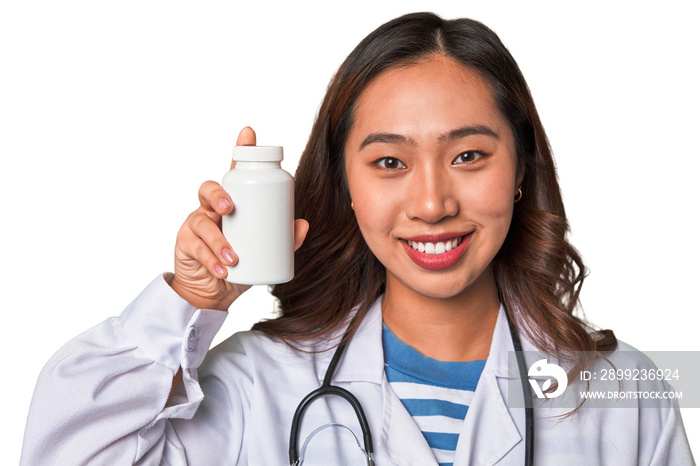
x=375, y=210
x=493, y=201
x=375, y=202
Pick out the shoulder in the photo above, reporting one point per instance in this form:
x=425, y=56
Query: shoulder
x=622, y=405
x=255, y=354
x=628, y=369
x=629, y=378
x=252, y=345
x=625, y=356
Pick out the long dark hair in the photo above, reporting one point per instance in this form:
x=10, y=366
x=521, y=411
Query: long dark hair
x=538, y=273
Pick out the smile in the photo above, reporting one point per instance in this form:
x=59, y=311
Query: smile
x=438, y=252
x=436, y=248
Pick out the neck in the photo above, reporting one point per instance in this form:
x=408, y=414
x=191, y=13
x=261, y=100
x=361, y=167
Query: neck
x=457, y=328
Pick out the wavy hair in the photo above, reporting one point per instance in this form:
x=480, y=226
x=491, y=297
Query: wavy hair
x=538, y=273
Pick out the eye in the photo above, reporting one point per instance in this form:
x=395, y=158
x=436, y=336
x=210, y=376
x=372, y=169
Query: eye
x=389, y=163
x=468, y=157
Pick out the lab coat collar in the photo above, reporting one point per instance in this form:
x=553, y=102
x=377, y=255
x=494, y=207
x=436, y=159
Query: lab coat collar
x=489, y=431
x=489, y=414
x=502, y=345
x=364, y=357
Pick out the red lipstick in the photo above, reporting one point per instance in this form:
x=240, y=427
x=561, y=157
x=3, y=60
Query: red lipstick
x=437, y=261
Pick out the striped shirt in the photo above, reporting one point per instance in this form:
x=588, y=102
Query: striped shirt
x=437, y=394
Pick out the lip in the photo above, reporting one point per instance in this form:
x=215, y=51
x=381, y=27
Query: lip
x=436, y=238
x=438, y=261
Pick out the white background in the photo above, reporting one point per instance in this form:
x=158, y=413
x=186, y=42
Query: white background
x=113, y=113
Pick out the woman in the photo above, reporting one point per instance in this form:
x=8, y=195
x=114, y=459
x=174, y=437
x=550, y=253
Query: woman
x=430, y=218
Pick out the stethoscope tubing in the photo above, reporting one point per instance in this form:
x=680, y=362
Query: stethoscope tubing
x=327, y=388
x=323, y=391
x=527, y=395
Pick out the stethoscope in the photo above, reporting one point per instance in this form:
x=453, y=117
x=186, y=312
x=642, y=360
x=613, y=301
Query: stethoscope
x=327, y=388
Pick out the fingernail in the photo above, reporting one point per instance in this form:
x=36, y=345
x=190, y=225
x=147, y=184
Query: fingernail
x=227, y=254
x=223, y=203
x=220, y=270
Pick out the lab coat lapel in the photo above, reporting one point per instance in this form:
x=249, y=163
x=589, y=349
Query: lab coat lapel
x=489, y=431
x=363, y=360
x=401, y=437
x=395, y=433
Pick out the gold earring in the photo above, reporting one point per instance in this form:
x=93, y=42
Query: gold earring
x=352, y=205
x=519, y=195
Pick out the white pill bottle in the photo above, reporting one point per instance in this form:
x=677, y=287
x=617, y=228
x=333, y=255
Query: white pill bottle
x=261, y=227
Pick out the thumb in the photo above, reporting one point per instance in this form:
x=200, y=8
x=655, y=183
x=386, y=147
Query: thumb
x=245, y=138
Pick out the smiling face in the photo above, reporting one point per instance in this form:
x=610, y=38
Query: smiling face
x=432, y=172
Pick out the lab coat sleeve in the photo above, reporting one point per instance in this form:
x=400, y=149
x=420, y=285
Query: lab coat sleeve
x=661, y=439
x=671, y=445
x=101, y=399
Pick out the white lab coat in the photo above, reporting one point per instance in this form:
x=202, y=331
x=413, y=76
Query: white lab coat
x=101, y=400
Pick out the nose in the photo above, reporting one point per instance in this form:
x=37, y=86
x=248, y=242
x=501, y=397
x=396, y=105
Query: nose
x=432, y=196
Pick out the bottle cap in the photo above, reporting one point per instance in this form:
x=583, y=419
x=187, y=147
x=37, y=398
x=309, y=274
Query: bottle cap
x=257, y=153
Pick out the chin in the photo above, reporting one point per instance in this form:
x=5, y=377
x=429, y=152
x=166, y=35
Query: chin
x=438, y=289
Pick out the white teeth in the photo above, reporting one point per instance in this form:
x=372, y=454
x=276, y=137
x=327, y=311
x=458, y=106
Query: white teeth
x=435, y=248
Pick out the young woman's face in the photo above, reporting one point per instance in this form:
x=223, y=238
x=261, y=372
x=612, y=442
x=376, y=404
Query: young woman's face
x=432, y=172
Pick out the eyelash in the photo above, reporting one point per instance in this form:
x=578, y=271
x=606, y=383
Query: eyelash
x=381, y=162
x=476, y=153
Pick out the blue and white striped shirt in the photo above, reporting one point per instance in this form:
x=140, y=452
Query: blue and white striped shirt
x=437, y=394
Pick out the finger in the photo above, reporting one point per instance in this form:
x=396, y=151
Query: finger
x=196, y=249
x=208, y=259
x=209, y=233
x=301, y=228
x=245, y=138
x=214, y=199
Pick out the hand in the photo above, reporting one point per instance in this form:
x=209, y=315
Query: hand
x=202, y=252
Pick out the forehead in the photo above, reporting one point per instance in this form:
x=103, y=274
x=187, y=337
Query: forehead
x=425, y=97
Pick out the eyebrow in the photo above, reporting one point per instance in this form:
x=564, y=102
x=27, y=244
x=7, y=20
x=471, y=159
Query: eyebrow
x=465, y=131
x=399, y=139
x=388, y=138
